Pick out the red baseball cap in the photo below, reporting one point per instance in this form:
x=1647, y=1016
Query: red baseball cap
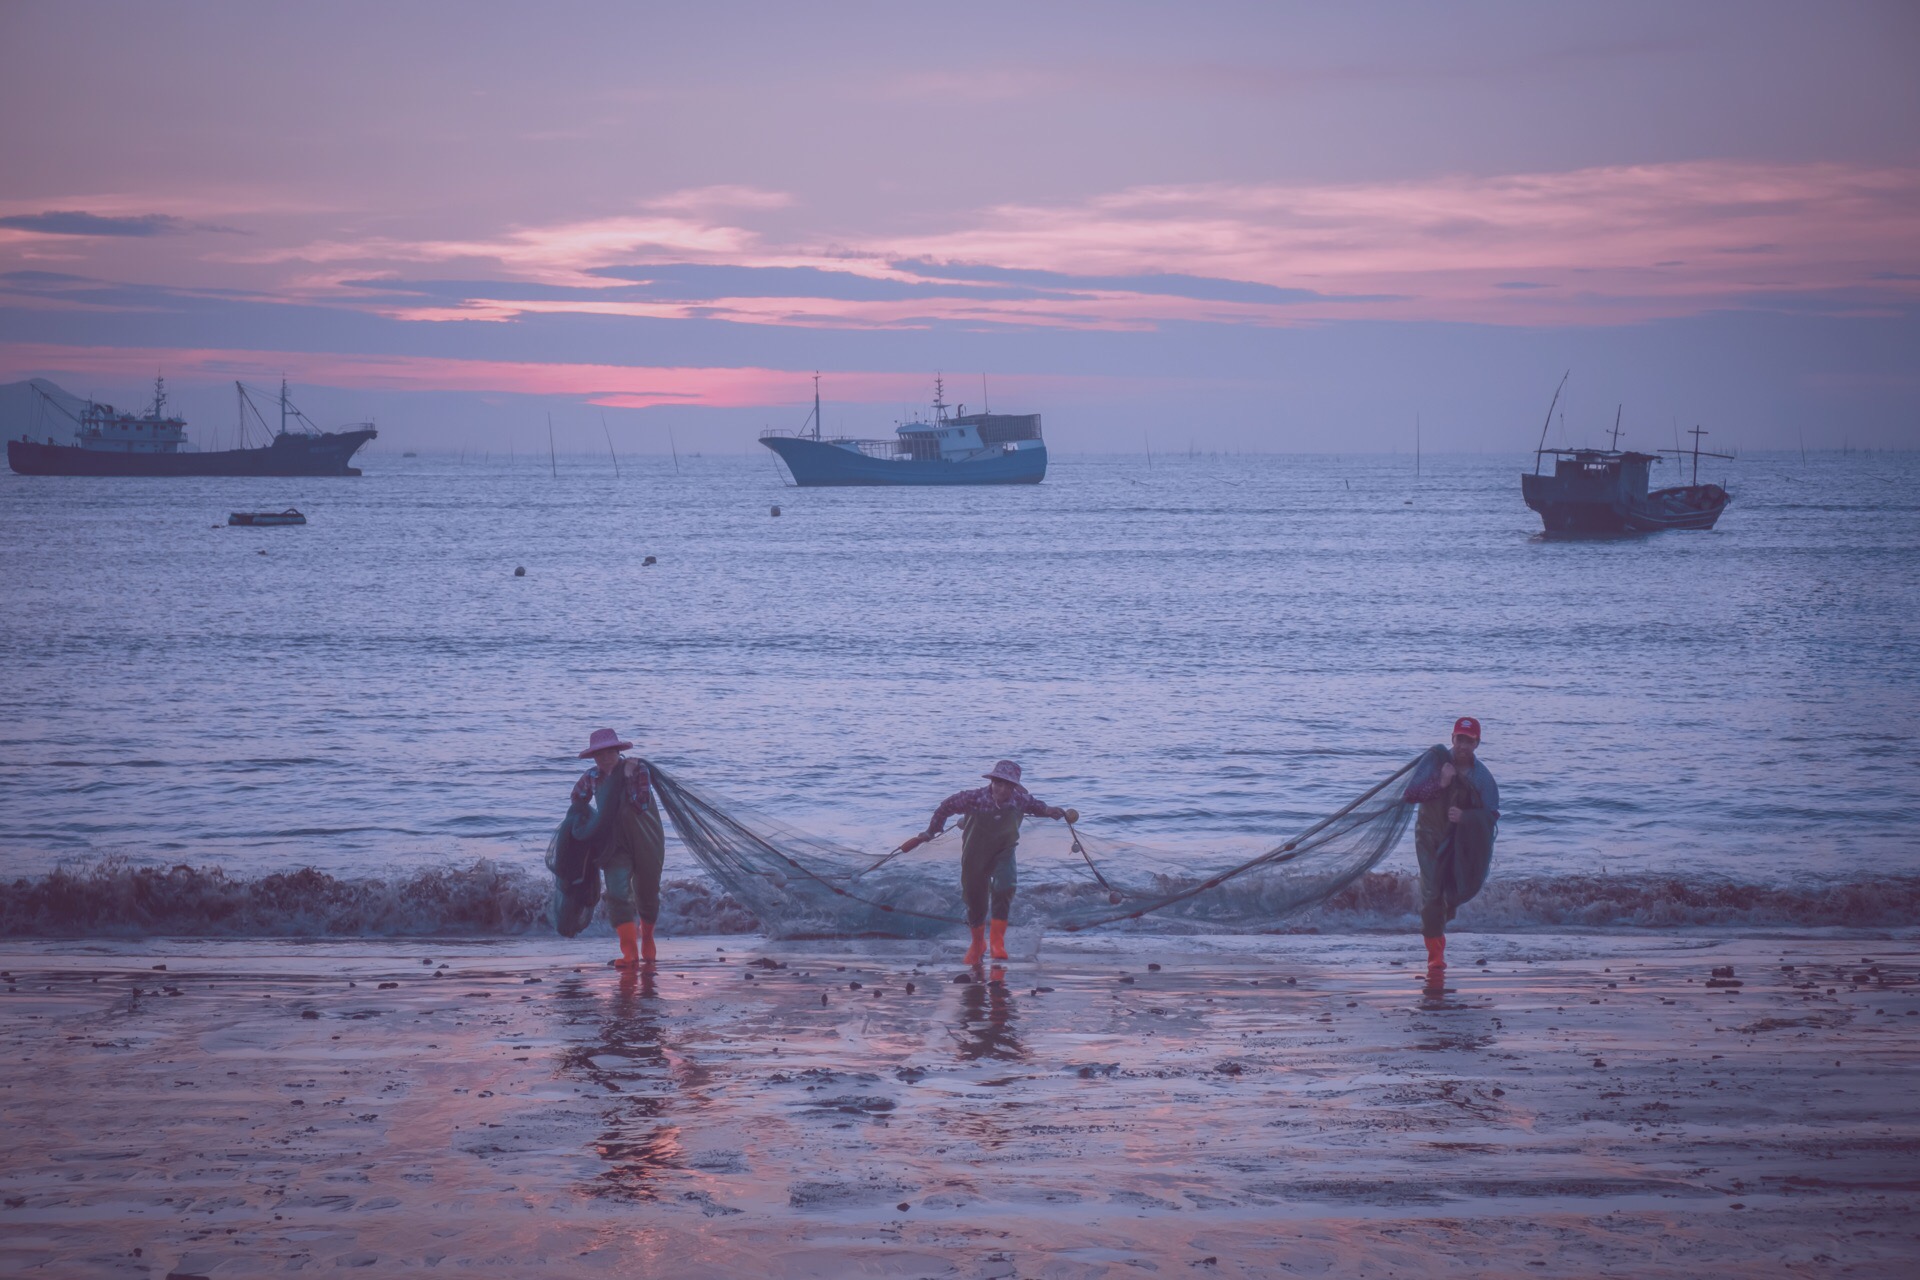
x=1469, y=726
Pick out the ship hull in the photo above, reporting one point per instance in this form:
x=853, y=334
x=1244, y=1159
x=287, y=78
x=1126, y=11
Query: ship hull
x=816, y=464
x=1573, y=509
x=328, y=454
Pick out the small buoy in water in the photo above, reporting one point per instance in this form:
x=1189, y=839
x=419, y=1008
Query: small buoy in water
x=1114, y=898
x=649, y=560
x=775, y=511
x=259, y=553
x=519, y=571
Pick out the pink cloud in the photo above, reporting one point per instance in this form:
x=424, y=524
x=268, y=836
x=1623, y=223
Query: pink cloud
x=622, y=386
x=1591, y=246
x=1604, y=245
x=1447, y=243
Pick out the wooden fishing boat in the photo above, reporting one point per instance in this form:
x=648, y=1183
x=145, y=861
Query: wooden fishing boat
x=1600, y=491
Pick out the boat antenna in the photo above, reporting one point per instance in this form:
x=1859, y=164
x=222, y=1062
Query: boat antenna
x=985, y=404
x=816, y=404
x=553, y=464
x=1616, y=427
x=610, y=453
x=283, y=404
x=1416, y=444
x=939, y=399
x=1537, y=453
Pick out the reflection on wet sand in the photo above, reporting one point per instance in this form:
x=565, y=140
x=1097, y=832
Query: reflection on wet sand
x=628, y=1058
x=987, y=1018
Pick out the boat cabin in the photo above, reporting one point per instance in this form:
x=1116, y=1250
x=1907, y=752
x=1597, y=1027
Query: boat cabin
x=104, y=430
x=1601, y=471
x=967, y=436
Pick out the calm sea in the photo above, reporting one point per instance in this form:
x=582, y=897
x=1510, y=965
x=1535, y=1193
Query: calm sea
x=1201, y=653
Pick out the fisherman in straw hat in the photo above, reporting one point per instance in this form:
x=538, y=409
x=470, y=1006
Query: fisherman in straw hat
x=989, y=830
x=613, y=811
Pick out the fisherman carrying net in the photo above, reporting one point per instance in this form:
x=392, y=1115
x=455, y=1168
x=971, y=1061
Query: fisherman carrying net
x=989, y=832
x=613, y=829
x=1453, y=834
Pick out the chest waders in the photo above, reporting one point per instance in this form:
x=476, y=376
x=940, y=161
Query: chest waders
x=630, y=847
x=1454, y=858
x=988, y=876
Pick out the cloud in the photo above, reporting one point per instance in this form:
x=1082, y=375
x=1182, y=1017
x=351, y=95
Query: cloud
x=611, y=385
x=1612, y=245
x=1443, y=247
x=560, y=253
x=703, y=199
x=75, y=222
x=1161, y=284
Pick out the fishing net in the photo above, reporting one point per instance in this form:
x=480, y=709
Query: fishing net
x=803, y=886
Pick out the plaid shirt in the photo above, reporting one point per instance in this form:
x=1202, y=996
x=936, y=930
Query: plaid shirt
x=639, y=783
x=980, y=800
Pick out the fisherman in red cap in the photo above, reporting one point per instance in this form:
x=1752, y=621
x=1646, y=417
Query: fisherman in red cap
x=989, y=830
x=613, y=812
x=1453, y=834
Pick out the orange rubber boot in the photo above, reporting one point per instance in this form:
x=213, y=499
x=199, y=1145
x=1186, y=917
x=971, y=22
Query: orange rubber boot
x=1436, y=954
x=648, y=951
x=999, y=934
x=979, y=947
x=629, y=946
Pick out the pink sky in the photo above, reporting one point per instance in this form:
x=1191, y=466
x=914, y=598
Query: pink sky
x=469, y=201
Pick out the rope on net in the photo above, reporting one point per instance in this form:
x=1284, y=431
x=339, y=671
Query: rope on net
x=805, y=886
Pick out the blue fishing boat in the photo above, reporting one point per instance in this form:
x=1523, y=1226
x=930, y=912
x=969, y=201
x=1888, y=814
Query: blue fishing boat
x=953, y=448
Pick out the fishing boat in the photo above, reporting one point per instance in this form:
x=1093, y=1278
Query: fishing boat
x=1601, y=491
x=954, y=447
x=154, y=443
x=261, y=519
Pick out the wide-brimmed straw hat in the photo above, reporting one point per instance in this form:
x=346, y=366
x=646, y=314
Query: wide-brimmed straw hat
x=608, y=740
x=1005, y=770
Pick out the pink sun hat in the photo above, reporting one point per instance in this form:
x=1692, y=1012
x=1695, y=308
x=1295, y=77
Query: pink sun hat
x=1005, y=770
x=608, y=740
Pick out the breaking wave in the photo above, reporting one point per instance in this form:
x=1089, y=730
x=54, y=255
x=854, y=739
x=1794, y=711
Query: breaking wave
x=118, y=899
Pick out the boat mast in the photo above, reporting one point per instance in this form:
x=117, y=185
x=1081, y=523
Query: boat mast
x=816, y=405
x=610, y=453
x=1616, y=427
x=1696, y=433
x=283, y=406
x=159, y=395
x=1549, y=422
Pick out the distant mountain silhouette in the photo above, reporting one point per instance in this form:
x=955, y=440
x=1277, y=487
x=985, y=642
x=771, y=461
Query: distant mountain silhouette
x=22, y=412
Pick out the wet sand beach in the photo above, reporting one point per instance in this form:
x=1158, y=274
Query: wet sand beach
x=1286, y=1106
